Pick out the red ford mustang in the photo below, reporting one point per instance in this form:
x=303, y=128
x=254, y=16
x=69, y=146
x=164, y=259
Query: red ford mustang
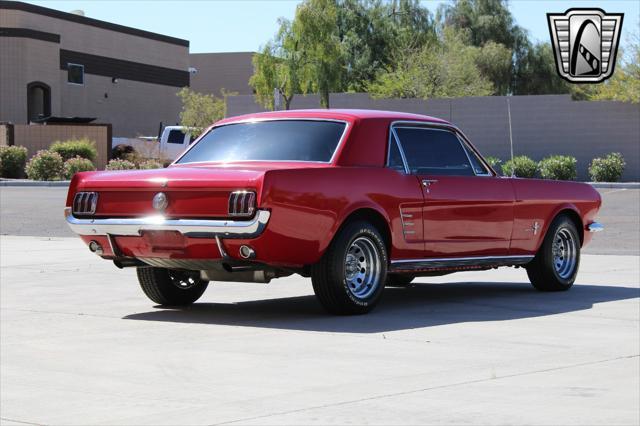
x=357, y=200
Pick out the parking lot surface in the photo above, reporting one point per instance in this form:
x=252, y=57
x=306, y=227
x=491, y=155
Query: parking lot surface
x=80, y=344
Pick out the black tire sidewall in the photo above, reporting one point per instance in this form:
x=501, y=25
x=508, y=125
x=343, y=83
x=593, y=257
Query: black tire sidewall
x=558, y=224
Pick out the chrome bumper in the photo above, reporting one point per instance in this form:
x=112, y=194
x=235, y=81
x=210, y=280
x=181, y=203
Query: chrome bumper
x=595, y=227
x=195, y=228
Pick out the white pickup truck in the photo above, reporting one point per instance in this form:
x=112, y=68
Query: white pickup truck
x=173, y=141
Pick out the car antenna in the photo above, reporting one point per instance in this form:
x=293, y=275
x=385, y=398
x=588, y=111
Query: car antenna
x=513, y=167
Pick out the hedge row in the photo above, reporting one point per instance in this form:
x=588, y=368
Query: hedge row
x=61, y=161
x=561, y=167
x=64, y=159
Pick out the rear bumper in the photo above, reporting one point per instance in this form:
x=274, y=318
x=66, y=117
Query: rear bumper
x=194, y=228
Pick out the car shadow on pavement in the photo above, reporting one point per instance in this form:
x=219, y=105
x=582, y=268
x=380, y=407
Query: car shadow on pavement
x=422, y=305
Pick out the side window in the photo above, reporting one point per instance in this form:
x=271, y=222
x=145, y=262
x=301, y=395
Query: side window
x=395, y=158
x=433, y=152
x=176, y=136
x=479, y=168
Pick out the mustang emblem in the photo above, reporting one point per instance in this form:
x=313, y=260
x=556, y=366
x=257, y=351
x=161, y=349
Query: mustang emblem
x=160, y=201
x=534, y=228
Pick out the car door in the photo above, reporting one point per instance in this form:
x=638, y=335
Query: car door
x=467, y=210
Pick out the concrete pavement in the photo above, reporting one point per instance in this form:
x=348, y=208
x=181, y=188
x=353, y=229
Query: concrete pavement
x=80, y=344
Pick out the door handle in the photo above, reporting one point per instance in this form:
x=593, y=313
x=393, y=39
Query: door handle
x=426, y=183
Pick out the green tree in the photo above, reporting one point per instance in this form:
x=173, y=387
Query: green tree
x=490, y=22
x=438, y=70
x=315, y=35
x=486, y=20
x=277, y=67
x=624, y=84
x=371, y=32
x=200, y=110
x=536, y=73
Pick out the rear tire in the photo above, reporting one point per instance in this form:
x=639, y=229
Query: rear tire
x=169, y=287
x=399, y=280
x=555, y=266
x=349, y=279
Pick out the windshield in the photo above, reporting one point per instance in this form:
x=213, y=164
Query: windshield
x=280, y=140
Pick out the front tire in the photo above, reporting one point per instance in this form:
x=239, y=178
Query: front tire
x=351, y=275
x=555, y=266
x=169, y=287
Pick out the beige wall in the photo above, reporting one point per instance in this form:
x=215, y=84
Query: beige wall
x=36, y=137
x=99, y=41
x=217, y=71
x=4, y=139
x=133, y=108
x=22, y=61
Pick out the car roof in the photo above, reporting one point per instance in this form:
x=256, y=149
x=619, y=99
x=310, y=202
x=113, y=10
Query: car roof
x=337, y=114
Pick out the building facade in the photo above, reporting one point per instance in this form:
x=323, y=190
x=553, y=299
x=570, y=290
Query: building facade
x=228, y=71
x=62, y=64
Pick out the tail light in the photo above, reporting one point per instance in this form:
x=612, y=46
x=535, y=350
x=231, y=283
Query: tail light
x=242, y=203
x=85, y=203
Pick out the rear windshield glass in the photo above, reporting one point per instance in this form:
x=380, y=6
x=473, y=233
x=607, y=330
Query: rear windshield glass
x=283, y=140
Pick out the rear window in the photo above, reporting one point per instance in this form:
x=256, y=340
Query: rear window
x=281, y=140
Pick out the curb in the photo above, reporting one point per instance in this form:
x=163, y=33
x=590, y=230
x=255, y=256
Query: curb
x=59, y=183
x=611, y=185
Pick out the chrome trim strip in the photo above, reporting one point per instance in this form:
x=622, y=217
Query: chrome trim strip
x=595, y=227
x=394, y=136
x=194, y=228
x=339, y=146
x=455, y=262
x=221, y=249
x=439, y=259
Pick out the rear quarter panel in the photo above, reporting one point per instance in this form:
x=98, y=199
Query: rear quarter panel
x=309, y=205
x=541, y=201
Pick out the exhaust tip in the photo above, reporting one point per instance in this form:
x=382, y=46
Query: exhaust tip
x=96, y=248
x=247, y=252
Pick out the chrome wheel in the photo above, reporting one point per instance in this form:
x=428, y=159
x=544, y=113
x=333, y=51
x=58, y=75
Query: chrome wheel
x=362, y=268
x=565, y=253
x=183, y=280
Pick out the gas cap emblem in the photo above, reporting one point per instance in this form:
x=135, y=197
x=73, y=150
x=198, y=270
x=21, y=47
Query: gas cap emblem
x=160, y=201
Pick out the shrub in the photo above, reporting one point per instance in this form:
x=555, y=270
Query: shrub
x=150, y=164
x=77, y=164
x=524, y=167
x=119, y=152
x=118, y=164
x=607, y=169
x=45, y=165
x=494, y=162
x=72, y=148
x=12, y=161
x=558, y=167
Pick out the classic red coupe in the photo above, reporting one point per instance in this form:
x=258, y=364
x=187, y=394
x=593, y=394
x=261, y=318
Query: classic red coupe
x=355, y=199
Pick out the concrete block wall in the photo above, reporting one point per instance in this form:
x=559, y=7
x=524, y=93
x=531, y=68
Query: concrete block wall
x=541, y=125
